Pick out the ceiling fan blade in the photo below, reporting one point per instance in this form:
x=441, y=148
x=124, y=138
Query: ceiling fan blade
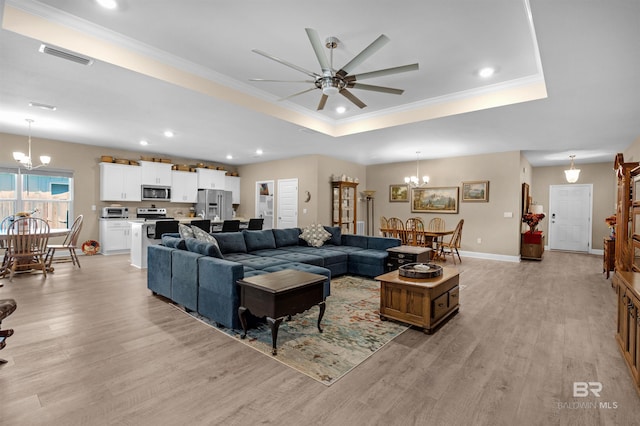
x=375, y=88
x=281, y=81
x=347, y=94
x=364, y=55
x=296, y=94
x=381, y=73
x=317, y=48
x=289, y=64
x=323, y=101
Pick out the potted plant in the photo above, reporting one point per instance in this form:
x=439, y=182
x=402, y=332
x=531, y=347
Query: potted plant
x=532, y=219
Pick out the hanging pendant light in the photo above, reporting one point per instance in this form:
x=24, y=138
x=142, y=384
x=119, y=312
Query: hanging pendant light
x=414, y=181
x=572, y=173
x=25, y=160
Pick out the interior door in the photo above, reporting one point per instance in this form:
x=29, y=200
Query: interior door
x=570, y=208
x=264, y=202
x=287, y=203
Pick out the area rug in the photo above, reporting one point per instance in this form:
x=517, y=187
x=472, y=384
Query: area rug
x=352, y=332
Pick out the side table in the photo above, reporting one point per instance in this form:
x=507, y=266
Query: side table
x=425, y=303
x=278, y=295
x=532, y=245
x=402, y=255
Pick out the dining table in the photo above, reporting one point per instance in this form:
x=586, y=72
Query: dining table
x=53, y=232
x=4, y=237
x=414, y=237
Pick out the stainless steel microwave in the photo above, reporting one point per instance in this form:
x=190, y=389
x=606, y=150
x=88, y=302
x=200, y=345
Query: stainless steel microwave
x=115, y=212
x=155, y=193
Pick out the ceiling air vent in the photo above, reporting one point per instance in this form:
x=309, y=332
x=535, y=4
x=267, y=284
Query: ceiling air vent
x=65, y=54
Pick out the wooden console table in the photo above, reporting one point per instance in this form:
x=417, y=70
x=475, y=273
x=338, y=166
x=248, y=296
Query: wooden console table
x=422, y=302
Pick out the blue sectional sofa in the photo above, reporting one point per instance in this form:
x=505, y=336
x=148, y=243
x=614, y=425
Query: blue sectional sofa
x=202, y=276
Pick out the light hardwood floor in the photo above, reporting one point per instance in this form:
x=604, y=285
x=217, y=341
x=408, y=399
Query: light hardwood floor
x=93, y=347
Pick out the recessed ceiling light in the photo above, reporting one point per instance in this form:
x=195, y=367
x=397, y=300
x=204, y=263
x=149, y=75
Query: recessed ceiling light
x=229, y=157
x=108, y=4
x=42, y=106
x=341, y=110
x=168, y=133
x=144, y=143
x=258, y=151
x=486, y=72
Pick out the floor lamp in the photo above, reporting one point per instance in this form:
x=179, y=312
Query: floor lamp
x=370, y=224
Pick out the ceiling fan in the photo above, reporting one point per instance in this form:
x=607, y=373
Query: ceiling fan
x=332, y=82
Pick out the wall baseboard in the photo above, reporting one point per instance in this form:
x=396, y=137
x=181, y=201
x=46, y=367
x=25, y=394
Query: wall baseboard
x=490, y=256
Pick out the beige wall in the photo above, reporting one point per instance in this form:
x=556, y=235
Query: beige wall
x=632, y=153
x=314, y=175
x=499, y=235
x=603, y=178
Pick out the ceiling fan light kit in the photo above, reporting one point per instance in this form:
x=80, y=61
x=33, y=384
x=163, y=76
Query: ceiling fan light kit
x=332, y=82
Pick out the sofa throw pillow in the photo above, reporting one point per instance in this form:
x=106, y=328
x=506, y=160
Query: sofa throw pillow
x=202, y=235
x=315, y=235
x=203, y=247
x=185, y=231
x=173, y=242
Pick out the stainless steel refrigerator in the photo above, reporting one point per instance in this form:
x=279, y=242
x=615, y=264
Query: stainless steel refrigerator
x=214, y=204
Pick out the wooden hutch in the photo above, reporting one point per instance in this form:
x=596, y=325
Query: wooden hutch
x=344, y=202
x=626, y=278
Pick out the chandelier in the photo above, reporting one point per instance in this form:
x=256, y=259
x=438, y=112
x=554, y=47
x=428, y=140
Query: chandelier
x=572, y=173
x=415, y=180
x=25, y=160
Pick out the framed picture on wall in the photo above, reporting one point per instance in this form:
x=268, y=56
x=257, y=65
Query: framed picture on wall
x=399, y=193
x=526, y=200
x=435, y=200
x=475, y=191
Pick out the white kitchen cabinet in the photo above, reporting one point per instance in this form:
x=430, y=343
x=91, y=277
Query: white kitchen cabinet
x=210, y=179
x=184, y=187
x=155, y=173
x=232, y=183
x=115, y=236
x=120, y=182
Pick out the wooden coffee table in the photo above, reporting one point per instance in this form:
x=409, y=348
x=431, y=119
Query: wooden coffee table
x=422, y=302
x=278, y=295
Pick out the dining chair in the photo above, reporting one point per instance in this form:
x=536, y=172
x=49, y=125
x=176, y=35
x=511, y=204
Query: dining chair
x=436, y=224
x=451, y=247
x=70, y=243
x=204, y=224
x=384, y=225
x=28, y=238
x=255, y=224
x=231, y=225
x=414, y=224
x=4, y=227
x=396, y=229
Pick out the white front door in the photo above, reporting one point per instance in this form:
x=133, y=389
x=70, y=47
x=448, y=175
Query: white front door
x=287, y=203
x=569, y=217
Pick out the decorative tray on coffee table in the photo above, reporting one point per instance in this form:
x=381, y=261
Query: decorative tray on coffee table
x=420, y=270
